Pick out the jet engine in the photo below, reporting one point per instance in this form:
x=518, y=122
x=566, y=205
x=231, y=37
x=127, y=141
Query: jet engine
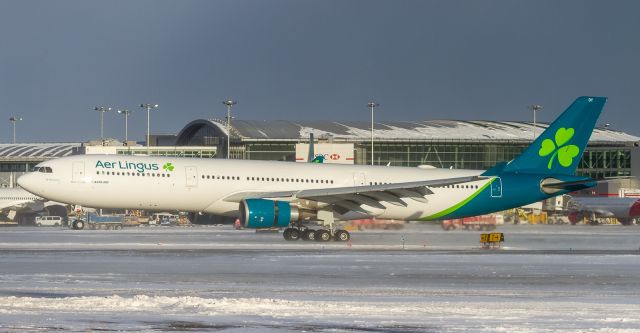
x=263, y=213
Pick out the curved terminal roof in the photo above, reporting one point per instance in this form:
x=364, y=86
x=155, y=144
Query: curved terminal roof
x=436, y=130
x=36, y=151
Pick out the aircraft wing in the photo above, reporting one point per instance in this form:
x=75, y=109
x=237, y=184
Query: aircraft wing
x=15, y=204
x=351, y=197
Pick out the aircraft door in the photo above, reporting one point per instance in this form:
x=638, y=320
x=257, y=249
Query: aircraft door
x=191, y=173
x=77, y=172
x=496, y=188
x=359, y=178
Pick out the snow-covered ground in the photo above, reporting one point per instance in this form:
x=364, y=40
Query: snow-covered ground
x=545, y=279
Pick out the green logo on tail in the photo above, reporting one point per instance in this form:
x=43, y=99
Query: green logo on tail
x=565, y=153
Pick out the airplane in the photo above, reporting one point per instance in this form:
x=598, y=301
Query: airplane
x=625, y=210
x=15, y=200
x=268, y=194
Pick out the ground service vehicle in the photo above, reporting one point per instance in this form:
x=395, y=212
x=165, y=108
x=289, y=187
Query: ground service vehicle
x=97, y=222
x=48, y=221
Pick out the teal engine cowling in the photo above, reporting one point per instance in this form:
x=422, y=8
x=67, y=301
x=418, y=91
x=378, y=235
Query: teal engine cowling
x=264, y=213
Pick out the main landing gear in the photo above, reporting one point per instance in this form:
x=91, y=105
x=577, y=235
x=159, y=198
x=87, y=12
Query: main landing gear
x=298, y=231
x=322, y=235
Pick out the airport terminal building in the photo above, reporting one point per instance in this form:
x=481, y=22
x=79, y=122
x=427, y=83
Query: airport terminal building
x=437, y=143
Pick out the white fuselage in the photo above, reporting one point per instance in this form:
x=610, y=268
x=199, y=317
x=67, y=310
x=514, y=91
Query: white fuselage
x=201, y=185
x=607, y=206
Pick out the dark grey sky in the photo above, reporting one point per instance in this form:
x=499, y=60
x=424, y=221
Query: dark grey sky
x=310, y=60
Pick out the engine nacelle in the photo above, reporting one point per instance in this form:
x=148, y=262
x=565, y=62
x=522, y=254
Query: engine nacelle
x=263, y=213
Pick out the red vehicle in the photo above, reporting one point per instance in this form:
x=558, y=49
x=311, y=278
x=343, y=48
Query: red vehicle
x=377, y=224
x=482, y=222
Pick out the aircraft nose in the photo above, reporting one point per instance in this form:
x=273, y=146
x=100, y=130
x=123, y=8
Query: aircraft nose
x=27, y=182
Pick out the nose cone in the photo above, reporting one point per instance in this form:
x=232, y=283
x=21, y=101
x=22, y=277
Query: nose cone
x=29, y=182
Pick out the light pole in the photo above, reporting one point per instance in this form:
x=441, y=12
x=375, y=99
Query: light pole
x=372, y=105
x=148, y=107
x=13, y=120
x=102, y=110
x=126, y=114
x=535, y=108
x=229, y=103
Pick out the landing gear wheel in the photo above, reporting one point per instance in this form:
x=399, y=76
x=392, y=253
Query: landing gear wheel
x=295, y=234
x=291, y=234
x=342, y=236
x=323, y=235
x=309, y=235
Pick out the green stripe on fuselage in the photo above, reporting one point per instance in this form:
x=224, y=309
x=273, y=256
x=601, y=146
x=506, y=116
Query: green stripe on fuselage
x=457, y=206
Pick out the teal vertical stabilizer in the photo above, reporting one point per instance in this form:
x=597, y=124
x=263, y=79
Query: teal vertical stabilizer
x=559, y=148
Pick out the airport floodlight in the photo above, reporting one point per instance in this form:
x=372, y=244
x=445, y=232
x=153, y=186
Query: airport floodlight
x=372, y=105
x=535, y=108
x=13, y=120
x=126, y=114
x=229, y=103
x=102, y=110
x=148, y=107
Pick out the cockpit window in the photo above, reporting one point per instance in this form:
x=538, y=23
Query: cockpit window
x=43, y=169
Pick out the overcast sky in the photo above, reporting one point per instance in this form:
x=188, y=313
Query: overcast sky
x=310, y=60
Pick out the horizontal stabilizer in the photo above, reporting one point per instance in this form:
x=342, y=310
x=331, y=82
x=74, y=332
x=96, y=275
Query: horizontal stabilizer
x=570, y=185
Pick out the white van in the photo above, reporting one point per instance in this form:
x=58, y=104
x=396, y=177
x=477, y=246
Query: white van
x=48, y=221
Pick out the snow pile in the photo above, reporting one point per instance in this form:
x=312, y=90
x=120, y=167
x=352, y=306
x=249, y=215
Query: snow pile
x=506, y=315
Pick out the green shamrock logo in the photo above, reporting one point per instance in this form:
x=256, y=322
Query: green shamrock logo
x=167, y=167
x=565, y=153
